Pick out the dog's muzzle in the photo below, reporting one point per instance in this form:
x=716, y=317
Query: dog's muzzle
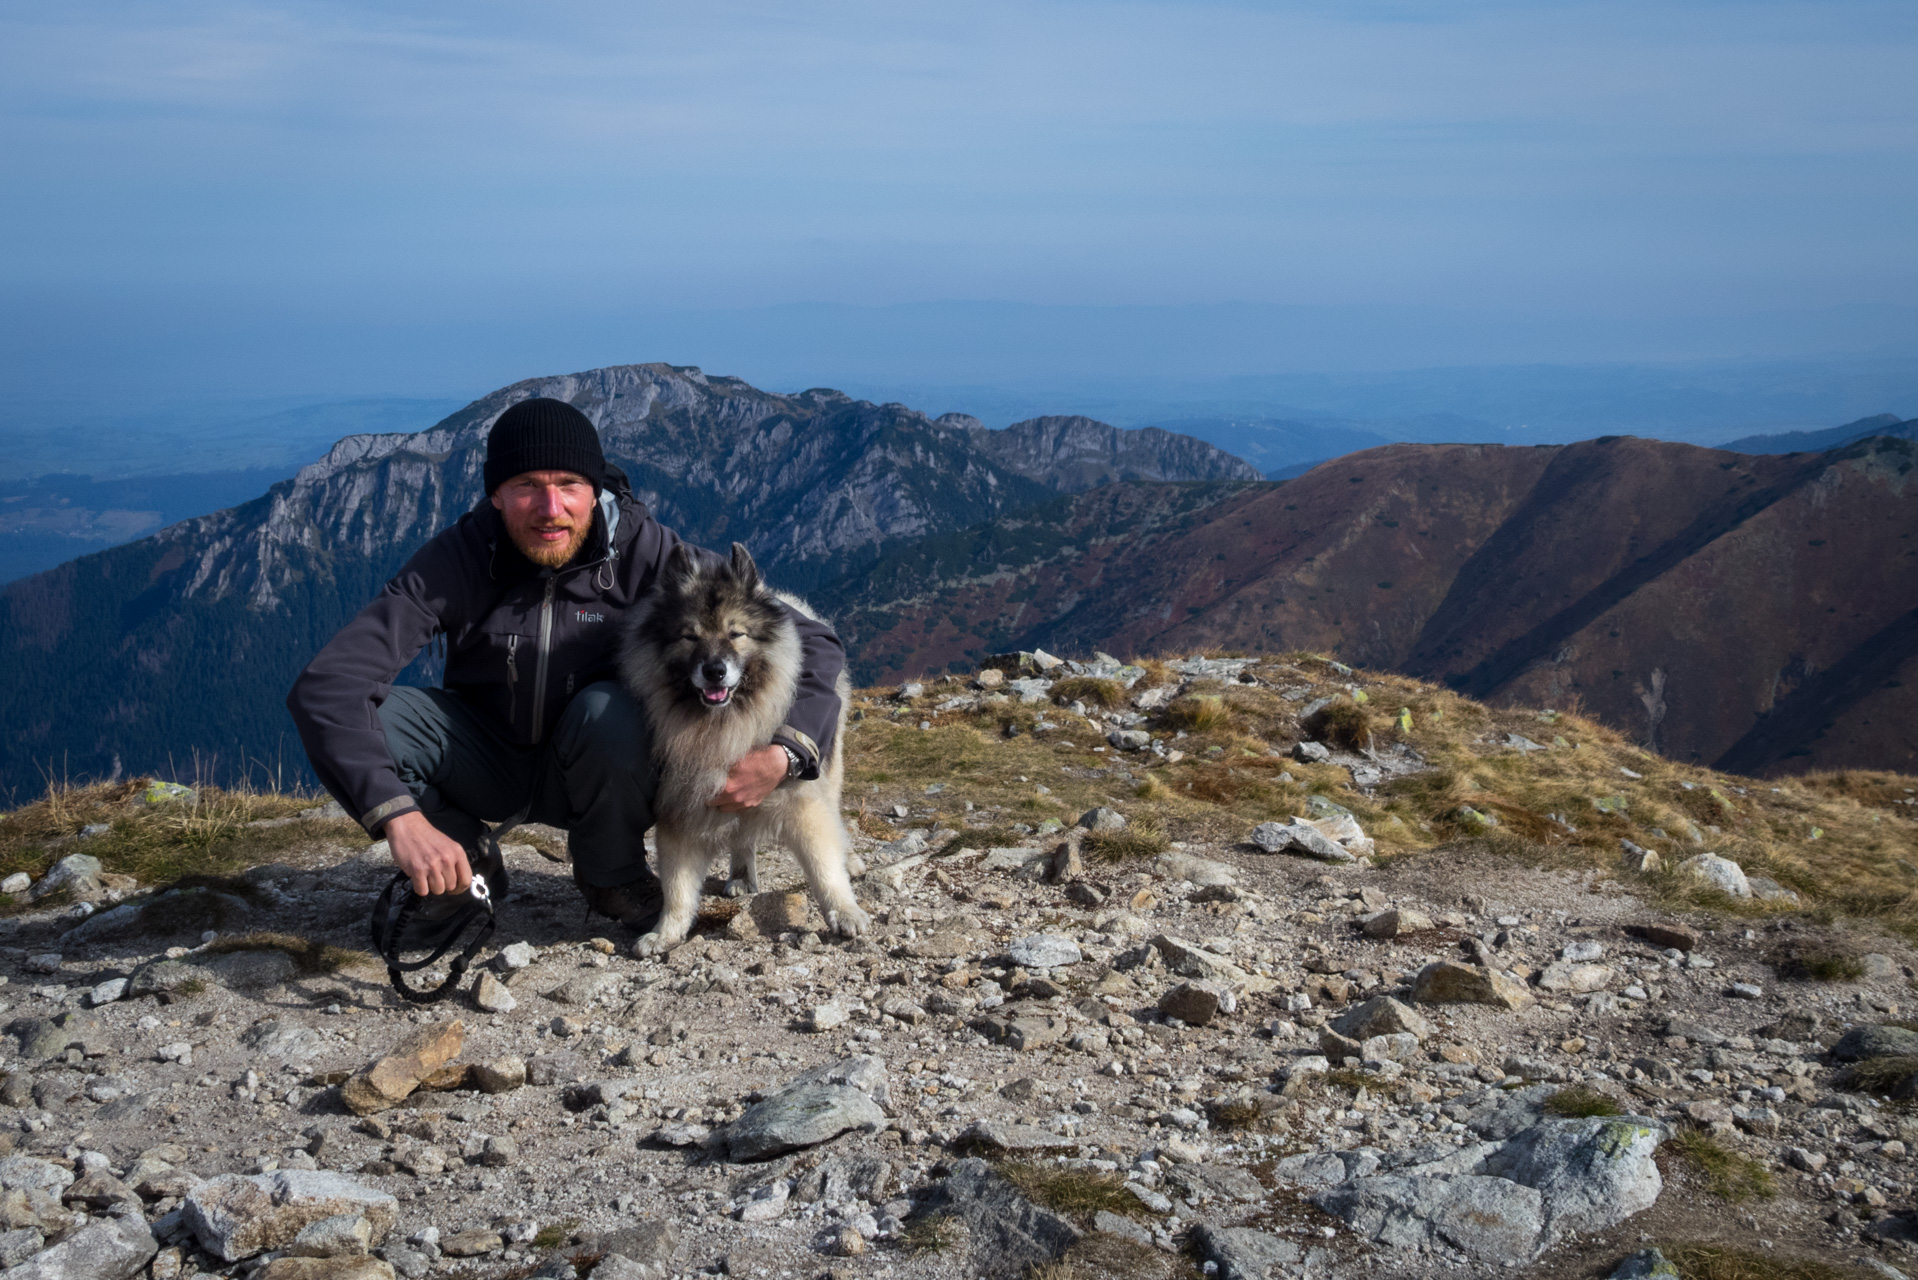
x=716, y=682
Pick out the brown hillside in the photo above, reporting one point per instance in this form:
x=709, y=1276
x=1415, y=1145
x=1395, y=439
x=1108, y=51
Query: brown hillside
x=1756, y=611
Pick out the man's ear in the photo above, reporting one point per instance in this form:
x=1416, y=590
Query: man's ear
x=494, y=498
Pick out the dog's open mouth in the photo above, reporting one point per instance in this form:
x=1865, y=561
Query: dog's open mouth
x=716, y=697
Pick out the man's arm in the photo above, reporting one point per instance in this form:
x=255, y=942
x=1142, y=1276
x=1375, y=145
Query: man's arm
x=335, y=701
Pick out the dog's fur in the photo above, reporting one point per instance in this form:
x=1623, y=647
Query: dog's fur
x=716, y=663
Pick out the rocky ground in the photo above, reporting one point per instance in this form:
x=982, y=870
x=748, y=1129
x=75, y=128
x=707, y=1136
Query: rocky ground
x=1235, y=1057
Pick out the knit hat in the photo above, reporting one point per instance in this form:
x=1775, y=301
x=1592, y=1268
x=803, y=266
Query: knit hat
x=543, y=435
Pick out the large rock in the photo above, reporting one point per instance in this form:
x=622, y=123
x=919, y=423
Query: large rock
x=1876, y=1040
x=78, y=873
x=1571, y=977
x=1487, y=1218
x=1200, y=871
x=1190, y=960
x=1720, y=873
x=1300, y=837
x=1044, y=951
x=1010, y=1235
x=235, y=1216
x=111, y=1248
x=388, y=1081
x=1381, y=1016
x=1451, y=982
x=1590, y=1173
x=1004, y=1135
x=1244, y=1253
x=802, y=1116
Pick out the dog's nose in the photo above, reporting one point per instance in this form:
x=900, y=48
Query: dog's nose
x=715, y=672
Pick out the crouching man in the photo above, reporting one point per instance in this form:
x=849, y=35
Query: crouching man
x=530, y=591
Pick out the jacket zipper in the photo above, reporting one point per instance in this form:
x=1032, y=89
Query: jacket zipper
x=545, y=651
x=512, y=678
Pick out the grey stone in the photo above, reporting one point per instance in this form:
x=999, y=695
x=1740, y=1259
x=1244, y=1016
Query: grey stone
x=798, y=1117
x=28, y=1173
x=1210, y=1181
x=563, y=1067
x=1392, y=923
x=1311, y=753
x=162, y=977
x=1102, y=819
x=500, y=1075
x=1381, y=1016
x=17, y=883
x=282, y=1041
x=1114, y=1224
x=491, y=995
x=1720, y=873
x=1300, y=838
x=235, y=1216
x=1326, y=1168
x=111, y=1248
x=650, y=1246
x=1646, y=1264
x=581, y=990
x=1004, y=1135
x=1129, y=739
x=1244, y=1253
x=1044, y=951
x=107, y=992
x=18, y=1245
x=1009, y=1234
x=1582, y=952
x=1875, y=1040
x=1498, y=1114
x=344, y=1235
x=78, y=872
x=45, y=962
x=1486, y=1217
x=515, y=955
x=1195, y=1003
x=251, y=970
x=843, y=1179
x=1591, y=1173
x=411, y=1263
x=1572, y=977
x=1200, y=871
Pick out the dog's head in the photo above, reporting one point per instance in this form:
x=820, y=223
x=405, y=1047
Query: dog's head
x=715, y=627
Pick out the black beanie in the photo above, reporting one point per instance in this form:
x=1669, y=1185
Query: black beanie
x=543, y=435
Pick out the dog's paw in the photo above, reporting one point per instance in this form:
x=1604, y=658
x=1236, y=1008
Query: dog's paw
x=742, y=886
x=855, y=866
x=849, y=923
x=654, y=944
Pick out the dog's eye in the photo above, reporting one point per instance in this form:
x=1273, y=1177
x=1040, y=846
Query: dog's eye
x=737, y=635
x=691, y=637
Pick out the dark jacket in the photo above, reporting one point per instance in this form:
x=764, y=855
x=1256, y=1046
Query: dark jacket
x=520, y=640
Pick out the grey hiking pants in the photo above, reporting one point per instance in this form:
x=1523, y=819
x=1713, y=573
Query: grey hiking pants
x=596, y=780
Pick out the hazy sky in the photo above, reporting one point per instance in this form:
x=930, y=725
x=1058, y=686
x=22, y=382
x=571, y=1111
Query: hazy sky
x=275, y=182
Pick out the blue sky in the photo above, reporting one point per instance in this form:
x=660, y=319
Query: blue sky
x=425, y=197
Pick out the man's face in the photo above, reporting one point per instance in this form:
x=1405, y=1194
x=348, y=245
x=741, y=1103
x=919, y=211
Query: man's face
x=547, y=514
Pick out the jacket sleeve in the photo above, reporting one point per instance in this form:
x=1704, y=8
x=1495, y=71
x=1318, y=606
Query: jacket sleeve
x=335, y=702
x=813, y=723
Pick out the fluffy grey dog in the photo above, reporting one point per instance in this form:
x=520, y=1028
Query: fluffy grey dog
x=715, y=661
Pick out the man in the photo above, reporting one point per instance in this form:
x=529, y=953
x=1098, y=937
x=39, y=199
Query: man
x=530, y=591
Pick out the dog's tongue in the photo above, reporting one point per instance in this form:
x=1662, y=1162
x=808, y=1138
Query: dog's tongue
x=715, y=696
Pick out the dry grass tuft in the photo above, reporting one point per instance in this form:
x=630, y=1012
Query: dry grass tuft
x=1724, y=1262
x=1580, y=1101
x=1075, y=1193
x=1201, y=713
x=1729, y=1176
x=156, y=844
x=1142, y=838
x=1817, y=962
x=1877, y=1075
x=1091, y=690
x=1343, y=724
x=930, y=1233
x=313, y=958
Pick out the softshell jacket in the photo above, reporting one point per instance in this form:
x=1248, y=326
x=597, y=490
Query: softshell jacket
x=520, y=641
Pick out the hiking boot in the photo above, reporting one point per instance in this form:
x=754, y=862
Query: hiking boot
x=636, y=903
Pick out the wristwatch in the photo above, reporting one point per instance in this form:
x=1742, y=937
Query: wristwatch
x=794, y=764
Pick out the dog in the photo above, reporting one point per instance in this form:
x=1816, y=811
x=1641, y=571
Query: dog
x=715, y=662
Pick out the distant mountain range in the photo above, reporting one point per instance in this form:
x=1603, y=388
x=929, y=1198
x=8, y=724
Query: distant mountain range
x=1883, y=424
x=1756, y=612
x=181, y=645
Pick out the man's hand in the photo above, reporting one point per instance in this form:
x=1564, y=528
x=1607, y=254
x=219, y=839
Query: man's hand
x=756, y=776
x=433, y=861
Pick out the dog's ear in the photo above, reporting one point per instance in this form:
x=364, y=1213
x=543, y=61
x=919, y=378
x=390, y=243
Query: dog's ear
x=680, y=565
x=744, y=570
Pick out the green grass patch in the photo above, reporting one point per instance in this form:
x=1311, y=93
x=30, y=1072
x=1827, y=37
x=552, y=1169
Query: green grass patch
x=1198, y=714
x=555, y=1234
x=1817, y=962
x=1579, y=1101
x=1075, y=1193
x=930, y=1233
x=1729, y=1176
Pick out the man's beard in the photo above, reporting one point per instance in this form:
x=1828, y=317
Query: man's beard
x=551, y=555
